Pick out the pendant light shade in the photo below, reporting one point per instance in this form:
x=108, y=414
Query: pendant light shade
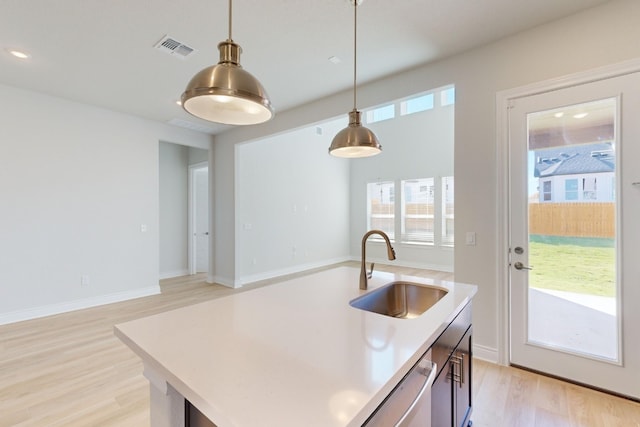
x=355, y=140
x=225, y=92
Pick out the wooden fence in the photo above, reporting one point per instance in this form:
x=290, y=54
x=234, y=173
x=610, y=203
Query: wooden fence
x=572, y=219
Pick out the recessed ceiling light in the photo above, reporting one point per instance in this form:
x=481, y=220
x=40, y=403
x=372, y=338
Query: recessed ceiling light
x=580, y=116
x=558, y=115
x=18, y=53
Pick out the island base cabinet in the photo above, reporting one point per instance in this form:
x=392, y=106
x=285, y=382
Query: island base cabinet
x=195, y=418
x=451, y=391
x=441, y=401
x=461, y=374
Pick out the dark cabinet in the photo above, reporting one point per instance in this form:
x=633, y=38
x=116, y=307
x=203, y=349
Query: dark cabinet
x=461, y=374
x=195, y=418
x=451, y=392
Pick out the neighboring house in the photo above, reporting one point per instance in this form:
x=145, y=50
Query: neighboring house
x=577, y=173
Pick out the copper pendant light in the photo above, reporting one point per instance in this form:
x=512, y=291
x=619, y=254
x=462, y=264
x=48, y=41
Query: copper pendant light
x=225, y=92
x=355, y=140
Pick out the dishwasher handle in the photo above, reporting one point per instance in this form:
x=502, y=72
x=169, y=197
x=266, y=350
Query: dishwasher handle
x=429, y=372
x=409, y=404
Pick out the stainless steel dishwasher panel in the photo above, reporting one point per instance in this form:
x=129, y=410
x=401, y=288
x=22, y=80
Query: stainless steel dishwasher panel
x=409, y=404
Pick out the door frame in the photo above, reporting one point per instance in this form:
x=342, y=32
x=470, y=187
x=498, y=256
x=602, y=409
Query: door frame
x=504, y=100
x=191, y=249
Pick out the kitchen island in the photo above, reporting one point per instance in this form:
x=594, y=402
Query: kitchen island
x=288, y=354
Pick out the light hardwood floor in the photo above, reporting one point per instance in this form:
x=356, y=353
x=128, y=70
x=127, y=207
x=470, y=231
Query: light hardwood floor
x=70, y=370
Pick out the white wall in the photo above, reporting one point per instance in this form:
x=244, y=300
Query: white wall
x=174, y=216
x=418, y=145
x=292, y=204
x=198, y=155
x=76, y=185
x=593, y=38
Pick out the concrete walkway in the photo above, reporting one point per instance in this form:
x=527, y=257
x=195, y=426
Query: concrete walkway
x=574, y=322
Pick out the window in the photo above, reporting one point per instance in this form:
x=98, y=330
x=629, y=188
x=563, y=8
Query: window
x=417, y=104
x=381, y=207
x=589, y=188
x=418, y=211
x=546, y=191
x=381, y=113
x=571, y=189
x=416, y=215
x=447, y=211
x=448, y=96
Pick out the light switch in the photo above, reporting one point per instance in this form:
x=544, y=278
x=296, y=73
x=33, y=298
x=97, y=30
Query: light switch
x=471, y=238
x=143, y=228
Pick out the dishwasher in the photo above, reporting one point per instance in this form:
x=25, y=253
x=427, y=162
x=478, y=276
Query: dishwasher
x=409, y=404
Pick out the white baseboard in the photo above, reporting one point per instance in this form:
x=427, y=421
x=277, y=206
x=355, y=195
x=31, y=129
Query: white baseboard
x=174, y=273
x=285, y=271
x=408, y=264
x=224, y=281
x=50, y=310
x=485, y=353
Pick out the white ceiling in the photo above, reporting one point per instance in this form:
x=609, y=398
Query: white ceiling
x=101, y=52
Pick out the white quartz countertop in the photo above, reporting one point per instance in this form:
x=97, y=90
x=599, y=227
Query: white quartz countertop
x=290, y=354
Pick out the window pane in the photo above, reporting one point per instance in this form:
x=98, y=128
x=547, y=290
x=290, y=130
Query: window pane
x=417, y=104
x=573, y=245
x=448, y=96
x=546, y=191
x=381, y=113
x=417, y=210
x=571, y=189
x=590, y=188
x=447, y=211
x=381, y=207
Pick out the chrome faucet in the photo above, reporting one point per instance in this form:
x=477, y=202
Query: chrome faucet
x=391, y=253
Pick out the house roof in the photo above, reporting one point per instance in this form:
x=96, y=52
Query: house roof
x=575, y=160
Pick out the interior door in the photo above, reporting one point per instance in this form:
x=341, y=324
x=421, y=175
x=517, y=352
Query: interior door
x=198, y=219
x=574, y=200
x=202, y=219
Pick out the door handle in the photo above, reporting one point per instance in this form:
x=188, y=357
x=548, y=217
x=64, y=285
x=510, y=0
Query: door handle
x=458, y=361
x=520, y=266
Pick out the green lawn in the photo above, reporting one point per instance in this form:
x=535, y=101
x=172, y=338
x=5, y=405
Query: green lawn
x=573, y=265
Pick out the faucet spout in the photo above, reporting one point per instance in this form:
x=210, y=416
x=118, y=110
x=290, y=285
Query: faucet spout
x=391, y=254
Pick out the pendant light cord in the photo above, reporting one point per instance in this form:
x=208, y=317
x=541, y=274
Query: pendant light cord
x=355, y=48
x=230, y=9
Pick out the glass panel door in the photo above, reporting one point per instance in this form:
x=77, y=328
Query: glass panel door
x=574, y=233
x=571, y=229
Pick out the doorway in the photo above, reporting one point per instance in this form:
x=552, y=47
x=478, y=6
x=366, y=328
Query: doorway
x=199, y=218
x=572, y=203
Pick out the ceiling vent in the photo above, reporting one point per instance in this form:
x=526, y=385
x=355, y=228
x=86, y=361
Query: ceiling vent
x=174, y=48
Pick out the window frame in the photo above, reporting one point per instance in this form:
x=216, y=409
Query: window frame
x=447, y=239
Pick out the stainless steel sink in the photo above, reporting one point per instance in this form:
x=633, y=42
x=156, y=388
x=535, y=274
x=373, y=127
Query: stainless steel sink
x=403, y=300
